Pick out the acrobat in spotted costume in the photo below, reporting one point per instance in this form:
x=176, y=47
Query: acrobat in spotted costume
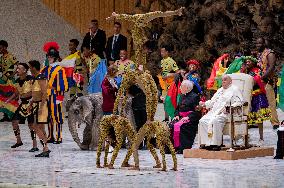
x=145, y=81
x=122, y=127
x=149, y=130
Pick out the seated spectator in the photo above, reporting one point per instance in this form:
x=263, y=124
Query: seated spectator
x=185, y=123
x=109, y=90
x=210, y=128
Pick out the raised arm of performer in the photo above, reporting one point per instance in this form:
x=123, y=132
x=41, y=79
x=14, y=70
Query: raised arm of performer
x=146, y=18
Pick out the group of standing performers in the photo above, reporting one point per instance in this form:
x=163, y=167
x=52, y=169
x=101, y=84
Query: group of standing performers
x=37, y=94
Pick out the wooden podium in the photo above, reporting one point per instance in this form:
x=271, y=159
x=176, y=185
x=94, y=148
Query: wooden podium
x=225, y=155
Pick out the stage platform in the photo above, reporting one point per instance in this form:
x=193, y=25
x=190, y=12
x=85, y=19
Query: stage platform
x=225, y=155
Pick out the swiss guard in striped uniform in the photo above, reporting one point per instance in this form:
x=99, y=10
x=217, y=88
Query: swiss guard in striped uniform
x=57, y=85
x=73, y=67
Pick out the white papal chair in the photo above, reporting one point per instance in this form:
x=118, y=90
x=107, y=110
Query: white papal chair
x=237, y=123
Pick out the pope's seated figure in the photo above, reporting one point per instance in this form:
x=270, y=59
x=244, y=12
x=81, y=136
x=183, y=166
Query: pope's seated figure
x=210, y=128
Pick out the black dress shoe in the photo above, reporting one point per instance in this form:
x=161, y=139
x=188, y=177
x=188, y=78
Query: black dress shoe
x=216, y=148
x=43, y=154
x=278, y=157
x=213, y=148
x=17, y=145
x=33, y=150
x=50, y=141
x=275, y=127
x=57, y=142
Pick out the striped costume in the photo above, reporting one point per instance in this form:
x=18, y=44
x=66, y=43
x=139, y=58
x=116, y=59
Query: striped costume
x=57, y=85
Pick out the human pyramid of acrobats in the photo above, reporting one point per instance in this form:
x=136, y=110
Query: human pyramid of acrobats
x=123, y=95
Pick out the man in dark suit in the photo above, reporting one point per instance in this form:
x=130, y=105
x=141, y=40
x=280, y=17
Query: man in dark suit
x=115, y=43
x=96, y=39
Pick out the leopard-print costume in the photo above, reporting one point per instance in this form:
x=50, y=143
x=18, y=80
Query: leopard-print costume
x=122, y=127
x=149, y=130
x=145, y=81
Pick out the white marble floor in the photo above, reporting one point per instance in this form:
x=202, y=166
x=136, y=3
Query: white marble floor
x=68, y=166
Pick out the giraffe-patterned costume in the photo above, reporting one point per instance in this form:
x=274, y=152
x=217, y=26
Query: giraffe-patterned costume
x=122, y=127
x=149, y=130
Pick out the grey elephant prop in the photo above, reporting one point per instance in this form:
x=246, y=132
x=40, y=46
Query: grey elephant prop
x=88, y=109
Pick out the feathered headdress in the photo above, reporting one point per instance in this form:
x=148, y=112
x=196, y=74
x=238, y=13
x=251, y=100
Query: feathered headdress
x=216, y=67
x=47, y=46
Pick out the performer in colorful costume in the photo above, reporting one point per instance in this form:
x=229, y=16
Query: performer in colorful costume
x=173, y=95
x=57, y=85
x=259, y=104
x=219, y=68
x=7, y=87
x=38, y=105
x=73, y=67
x=24, y=92
x=97, y=70
x=267, y=62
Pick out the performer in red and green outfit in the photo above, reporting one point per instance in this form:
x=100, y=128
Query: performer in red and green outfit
x=7, y=82
x=169, y=68
x=57, y=85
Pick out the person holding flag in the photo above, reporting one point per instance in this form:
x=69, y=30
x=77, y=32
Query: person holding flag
x=73, y=67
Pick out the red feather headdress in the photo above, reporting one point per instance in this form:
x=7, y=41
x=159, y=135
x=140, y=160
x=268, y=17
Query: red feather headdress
x=49, y=45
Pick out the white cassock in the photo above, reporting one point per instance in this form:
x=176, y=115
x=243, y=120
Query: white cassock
x=210, y=128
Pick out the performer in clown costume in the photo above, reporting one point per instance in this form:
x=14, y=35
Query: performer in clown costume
x=73, y=67
x=57, y=85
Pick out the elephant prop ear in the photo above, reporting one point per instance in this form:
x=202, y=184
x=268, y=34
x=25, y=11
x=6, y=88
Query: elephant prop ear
x=87, y=107
x=70, y=102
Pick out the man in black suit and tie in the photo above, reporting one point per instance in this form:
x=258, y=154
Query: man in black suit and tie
x=96, y=39
x=115, y=43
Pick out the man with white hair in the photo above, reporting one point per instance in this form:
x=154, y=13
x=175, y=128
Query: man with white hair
x=210, y=128
x=185, y=123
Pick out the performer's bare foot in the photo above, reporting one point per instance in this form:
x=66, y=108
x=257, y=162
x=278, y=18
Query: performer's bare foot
x=175, y=169
x=157, y=166
x=110, y=166
x=164, y=169
x=134, y=168
x=106, y=165
x=126, y=165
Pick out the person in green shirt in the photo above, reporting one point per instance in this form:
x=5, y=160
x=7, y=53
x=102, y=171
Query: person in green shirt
x=169, y=69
